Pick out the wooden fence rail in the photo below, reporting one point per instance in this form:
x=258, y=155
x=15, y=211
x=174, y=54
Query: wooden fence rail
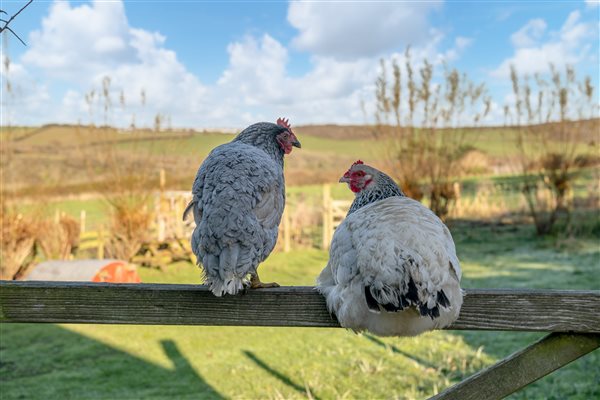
x=102, y=303
x=573, y=317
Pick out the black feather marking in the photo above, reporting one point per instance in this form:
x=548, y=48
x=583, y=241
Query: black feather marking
x=431, y=312
x=442, y=300
x=374, y=295
x=389, y=307
x=371, y=302
x=403, y=302
x=412, y=294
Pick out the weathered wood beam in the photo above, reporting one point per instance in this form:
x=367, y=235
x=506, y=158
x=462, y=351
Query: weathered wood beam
x=523, y=367
x=101, y=303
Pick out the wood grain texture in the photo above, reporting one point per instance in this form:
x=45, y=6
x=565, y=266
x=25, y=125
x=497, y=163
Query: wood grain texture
x=523, y=367
x=102, y=303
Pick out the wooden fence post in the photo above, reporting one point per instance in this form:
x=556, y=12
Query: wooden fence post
x=101, y=242
x=162, y=179
x=179, y=223
x=161, y=229
x=82, y=217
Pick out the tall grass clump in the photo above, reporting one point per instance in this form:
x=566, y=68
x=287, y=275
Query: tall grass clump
x=558, y=132
x=422, y=122
x=17, y=242
x=58, y=238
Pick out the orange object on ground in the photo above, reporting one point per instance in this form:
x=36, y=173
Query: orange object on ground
x=113, y=271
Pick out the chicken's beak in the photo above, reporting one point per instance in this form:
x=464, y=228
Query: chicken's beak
x=296, y=142
x=345, y=178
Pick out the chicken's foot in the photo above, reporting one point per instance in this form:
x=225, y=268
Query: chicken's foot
x=255, y=283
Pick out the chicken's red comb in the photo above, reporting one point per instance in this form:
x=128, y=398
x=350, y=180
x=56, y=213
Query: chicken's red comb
x=357, y=162
x=284, y=123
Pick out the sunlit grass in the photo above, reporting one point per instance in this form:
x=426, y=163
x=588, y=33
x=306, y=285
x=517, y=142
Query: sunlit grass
x=97, y=361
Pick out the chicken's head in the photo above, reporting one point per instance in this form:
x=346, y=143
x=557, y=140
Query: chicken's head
x=286, y=138
x=359, y=176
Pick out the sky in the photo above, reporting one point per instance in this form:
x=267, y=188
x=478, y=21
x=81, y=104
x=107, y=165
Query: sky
x=205, y=64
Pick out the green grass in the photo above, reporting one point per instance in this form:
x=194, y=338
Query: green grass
x=96, y=209
x=155, y=362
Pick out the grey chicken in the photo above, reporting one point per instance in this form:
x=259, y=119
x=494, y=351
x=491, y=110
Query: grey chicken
x=238, y=199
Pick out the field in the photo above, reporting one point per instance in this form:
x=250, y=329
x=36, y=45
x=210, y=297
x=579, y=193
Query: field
x=496, y=244
x=54, y=159
x=85, y=361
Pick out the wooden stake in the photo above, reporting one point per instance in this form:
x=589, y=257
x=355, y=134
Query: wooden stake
x=82, y=217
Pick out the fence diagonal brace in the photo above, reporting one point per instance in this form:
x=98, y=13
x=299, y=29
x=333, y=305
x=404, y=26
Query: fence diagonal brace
x=523, y=367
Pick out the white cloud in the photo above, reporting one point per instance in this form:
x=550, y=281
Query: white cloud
x=592, y=3
x=27, y=96
x=256, y=69
x=529, y=35
x=80, y=45
x=535, y=49
x=257, y=78
x=350, y=30
x=78, y=41
x=330, y=92
x=460, y=45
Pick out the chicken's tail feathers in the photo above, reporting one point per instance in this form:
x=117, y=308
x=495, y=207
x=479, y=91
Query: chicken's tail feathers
x=188, y=208
x=231, y=286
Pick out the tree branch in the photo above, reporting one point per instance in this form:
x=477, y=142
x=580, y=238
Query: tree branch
x=10, y=20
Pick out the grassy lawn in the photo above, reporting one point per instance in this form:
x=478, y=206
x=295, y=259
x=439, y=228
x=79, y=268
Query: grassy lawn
x=154, y=362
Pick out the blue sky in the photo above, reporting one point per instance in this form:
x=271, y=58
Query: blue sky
x=227, y=64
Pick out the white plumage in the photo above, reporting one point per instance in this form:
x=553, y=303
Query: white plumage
x=393, y=268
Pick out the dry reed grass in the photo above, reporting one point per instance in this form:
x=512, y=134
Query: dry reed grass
x=58, y=239
x=18, y=239
x=421, y=120
x=130, y=227
x=553, y=118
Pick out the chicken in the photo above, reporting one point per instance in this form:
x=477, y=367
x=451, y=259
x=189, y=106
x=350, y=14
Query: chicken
x=392, y=266
x=238, y=199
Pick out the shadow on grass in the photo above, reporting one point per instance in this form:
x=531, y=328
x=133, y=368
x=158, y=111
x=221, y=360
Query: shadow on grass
x=283, y=378
x=395, y=350
x=41, y=361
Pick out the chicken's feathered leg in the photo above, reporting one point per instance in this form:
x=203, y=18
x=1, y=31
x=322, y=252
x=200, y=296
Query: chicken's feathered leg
x=255, y=283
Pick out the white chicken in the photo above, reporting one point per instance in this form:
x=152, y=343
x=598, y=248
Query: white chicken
x=392, y=268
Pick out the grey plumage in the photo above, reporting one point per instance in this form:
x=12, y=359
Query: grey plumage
x=238, y=200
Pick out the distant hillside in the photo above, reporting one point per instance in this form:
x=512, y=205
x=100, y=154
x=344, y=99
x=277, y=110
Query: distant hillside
x=359, y=132
x=56, y=158
x=349, y=132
